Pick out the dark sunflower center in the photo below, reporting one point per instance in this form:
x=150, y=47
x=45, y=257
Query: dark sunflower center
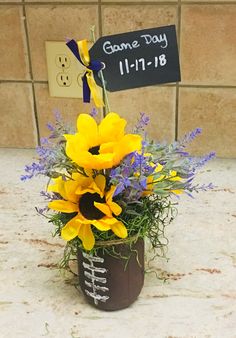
x=87, y=208
x=94, y=150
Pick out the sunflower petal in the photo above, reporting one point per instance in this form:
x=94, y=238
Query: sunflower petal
x=58, y=187
x=110, y=193
x=70, y=187
x=63, y=206
x=92, y=188
x=83, y=184
x=100, y=181
x=70, y=230
x=125, y=146
x=89, y=161
x=119, y=229
x=86, y=235
x=87, y=126
x=103, y=208
x=82, y=219
x=101, y=224
x=82, y=191
x=75, y=145
x=109, y=220
x=68, y=136
x=111, y=128
x=107, y=147
x=115, y=208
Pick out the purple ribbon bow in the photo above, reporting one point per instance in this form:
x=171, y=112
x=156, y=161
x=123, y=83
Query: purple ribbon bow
x=95, y=66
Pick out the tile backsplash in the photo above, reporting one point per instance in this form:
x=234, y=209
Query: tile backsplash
x=206, y=96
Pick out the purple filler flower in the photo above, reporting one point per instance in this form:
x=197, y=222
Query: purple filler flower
x=93, y=112
x=50, y=127
x=57, y=114
x=189, y=137
x=142, y=123
x=33, y=170
x=204, y=159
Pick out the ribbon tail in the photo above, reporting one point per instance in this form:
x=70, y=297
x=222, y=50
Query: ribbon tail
x=83, y=52
x=94, y=90
x=72, y=45
x=80, y=51
x=86, y=89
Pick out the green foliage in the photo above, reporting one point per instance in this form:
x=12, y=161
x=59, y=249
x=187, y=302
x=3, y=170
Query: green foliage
x=145, y=181
x=147, y=218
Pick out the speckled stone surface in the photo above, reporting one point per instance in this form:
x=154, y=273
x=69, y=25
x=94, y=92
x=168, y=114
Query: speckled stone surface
x=198, y=298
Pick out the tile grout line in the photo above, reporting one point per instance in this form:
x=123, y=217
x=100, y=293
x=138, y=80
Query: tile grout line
x=23, y=81
x=163, y=2
x=100, y=18
x=31, y=75
x=207, y=86
x=135, y=3
x=100, y=27
x=177, y=84
x=160, y=85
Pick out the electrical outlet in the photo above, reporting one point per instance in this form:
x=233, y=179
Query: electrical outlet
x=64, y=79
x=64, y=71
x=62, y=61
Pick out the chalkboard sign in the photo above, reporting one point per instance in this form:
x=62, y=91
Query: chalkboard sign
x=138, y=59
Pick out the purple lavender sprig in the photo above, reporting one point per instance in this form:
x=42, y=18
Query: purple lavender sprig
x=42, y=211
x=130, y=177
x=142, y=123
x=199, y=162
x=176, y=149
x=198, y=188
x=52, y=159
x=49, y=196
x=59, y=128
x=93, y=112
x=189, y=137
x=33, y=170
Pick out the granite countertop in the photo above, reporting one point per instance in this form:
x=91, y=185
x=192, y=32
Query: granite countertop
x=191, y=295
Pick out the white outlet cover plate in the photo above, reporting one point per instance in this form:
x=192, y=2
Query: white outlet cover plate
x=63, y=81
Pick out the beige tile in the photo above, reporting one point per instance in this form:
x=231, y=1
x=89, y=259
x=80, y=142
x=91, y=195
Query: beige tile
x=10, y=1
x=157, y=102
x=120, y=19
x=46, y=106
x=13, y=51
x=61, y=1
x=56, y=23
x=141, y=1
x=184, y=1
x=208, y=44
x=214, y=110
x=17, y=116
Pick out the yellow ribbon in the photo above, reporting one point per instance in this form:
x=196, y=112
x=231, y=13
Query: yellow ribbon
x=84, y=54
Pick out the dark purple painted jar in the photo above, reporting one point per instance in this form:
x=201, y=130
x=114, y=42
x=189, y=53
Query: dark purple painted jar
x=111, y=283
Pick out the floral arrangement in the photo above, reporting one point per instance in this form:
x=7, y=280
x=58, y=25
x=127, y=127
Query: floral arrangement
x=106, y=185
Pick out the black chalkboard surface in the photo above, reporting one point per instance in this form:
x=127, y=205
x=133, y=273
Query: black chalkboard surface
x=138, y=59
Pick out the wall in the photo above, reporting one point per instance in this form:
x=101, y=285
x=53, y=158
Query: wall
x=205, y=98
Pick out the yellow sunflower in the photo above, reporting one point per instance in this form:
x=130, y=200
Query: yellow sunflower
x=100, y=146
x=94, y=206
